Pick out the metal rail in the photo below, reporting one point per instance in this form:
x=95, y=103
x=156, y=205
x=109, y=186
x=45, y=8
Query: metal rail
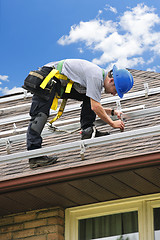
x=24, y=94
x=22, y=107
x=58, y=122
x=72, y=124
x=75, y=107
x=78, y=145
x=141, y=113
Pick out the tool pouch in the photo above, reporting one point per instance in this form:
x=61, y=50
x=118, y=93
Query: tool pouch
x=35, y=78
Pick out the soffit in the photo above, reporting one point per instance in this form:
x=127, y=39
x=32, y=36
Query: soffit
x=82, y=191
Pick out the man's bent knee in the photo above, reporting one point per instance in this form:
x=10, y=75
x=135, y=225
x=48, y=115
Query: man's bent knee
x=38, y=123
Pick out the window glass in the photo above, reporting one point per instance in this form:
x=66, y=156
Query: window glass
x=122, y=226
x=156, y=223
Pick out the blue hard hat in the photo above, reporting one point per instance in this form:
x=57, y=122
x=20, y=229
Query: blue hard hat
x=123, y=80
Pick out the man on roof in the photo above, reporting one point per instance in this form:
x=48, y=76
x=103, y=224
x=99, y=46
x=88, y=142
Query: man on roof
x=86, y=81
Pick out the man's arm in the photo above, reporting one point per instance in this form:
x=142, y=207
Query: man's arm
x=116, y=112
x=102, y=113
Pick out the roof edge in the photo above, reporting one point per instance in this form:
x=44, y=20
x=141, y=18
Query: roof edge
x=80, y=172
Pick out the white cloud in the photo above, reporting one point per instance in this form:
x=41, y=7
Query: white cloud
x=139, y=20
x=110, y=8
x=80, y=50
x=91, y=32
x=4, y=78
x=122, y=42
x=151, y=69
x=151, y=60
x=6, y=91
x=154, y=69
x=99, y=13
x=156, y=47
x=139, y=23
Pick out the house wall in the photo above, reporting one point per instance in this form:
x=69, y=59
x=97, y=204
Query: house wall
x=44, y=224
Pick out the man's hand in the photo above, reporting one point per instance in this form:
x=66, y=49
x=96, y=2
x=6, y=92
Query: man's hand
x=118, y=124
x=102, y=113
x=118, y=113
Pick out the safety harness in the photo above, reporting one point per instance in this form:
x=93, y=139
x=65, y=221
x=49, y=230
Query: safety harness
x=57, y=73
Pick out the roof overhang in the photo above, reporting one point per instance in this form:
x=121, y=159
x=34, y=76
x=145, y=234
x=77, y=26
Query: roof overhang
x=80, y=172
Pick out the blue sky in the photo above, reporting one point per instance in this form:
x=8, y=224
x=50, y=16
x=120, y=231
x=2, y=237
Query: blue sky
x=106, y=32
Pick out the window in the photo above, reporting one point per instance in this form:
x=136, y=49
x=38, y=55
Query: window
x=111, y=227
x=127, y=219
x=154, y=219
x=156, y=214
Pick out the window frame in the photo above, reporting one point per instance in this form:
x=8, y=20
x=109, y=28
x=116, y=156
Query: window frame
x=143, y=204
x=154, y=203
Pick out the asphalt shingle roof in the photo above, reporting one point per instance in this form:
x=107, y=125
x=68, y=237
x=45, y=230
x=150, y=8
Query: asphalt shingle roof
x=125, y=148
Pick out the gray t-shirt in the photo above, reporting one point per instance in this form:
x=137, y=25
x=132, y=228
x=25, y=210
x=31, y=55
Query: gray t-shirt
x=87, y=76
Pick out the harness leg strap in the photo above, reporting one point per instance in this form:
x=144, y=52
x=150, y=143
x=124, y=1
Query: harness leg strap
x=38, y=124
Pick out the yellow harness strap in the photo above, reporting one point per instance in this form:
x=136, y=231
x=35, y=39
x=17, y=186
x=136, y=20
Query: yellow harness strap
x=60, y=76
x=60, y=111
x=48, y=78
x=69, y=86
x=55, y=102
x=55, y=72
x=67, y=90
